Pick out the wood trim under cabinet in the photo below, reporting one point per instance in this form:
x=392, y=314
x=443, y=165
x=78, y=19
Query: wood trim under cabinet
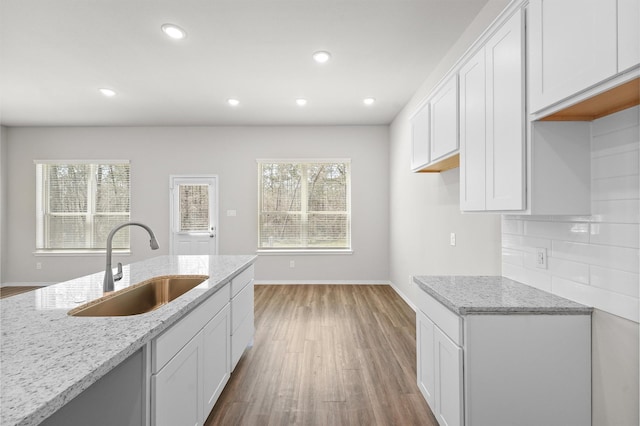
x=619, y=98
x=440, y=166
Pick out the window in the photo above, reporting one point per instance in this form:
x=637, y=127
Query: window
x=78, y=203
x=304, y=205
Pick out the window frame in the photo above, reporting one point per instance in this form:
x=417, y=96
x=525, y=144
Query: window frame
x=304, y=208
x=43, y=200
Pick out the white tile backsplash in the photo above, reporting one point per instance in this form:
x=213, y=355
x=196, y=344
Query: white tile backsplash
x=594, y=259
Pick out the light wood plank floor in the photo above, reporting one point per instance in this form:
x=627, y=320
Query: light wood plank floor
x=327, y=355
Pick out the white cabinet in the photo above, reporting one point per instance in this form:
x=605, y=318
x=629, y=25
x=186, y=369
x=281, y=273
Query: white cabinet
x=628, y=34
x=176, y=389
x=242, y=327
x=439, y=367
x=190, y=363
x=420, y=138
x=572, y=46
x=501, y=369
x=448, y=375
x=492, y=123
x=443, y=124
x=216, y=356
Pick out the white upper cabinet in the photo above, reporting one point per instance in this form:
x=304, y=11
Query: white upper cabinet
x=444, y=119
x=628, y=33
x=492, y=123
x=572, y=46
x=420, y=138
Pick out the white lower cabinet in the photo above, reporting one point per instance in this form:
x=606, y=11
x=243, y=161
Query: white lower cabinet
x=501, y=369
x=176, y=389
x=439, y=372
x=216, y=355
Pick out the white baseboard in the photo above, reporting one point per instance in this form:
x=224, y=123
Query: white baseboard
x=403, y=297
x=25, y=284
x=325, y=282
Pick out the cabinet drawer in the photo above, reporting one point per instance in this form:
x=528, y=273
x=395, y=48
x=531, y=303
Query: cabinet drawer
x=241, y=339
x=449, y=322
x=241, y=280
x=241, y=307
x=165, y=346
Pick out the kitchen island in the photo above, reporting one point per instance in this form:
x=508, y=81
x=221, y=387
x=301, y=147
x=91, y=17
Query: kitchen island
x=48, y=358
x=493, y=351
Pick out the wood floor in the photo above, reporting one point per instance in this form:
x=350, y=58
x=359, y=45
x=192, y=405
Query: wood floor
x=327, y=355
x=13, y=290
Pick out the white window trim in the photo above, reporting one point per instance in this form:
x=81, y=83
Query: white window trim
x=39, y=210
x=303, y=250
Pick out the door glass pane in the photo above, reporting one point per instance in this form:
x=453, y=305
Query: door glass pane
x=194, y=208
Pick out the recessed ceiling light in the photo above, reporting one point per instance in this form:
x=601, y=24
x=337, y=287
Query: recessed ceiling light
x=233, y=102
x=174, y=31
x=301, y=102
x=321, y=57
x=369, y=101
x=107, y=92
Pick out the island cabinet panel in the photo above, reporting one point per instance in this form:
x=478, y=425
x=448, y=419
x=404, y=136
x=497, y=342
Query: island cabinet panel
x=242, y=315
x=118, y=398
x=572, y=46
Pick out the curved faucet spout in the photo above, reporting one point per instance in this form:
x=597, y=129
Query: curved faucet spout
x=109, y=278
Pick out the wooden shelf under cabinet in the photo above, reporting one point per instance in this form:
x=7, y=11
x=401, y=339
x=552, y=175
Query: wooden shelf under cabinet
x=625, y=96
x=440, y=166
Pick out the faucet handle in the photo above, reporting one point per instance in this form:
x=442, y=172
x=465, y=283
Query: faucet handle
x=118, y=276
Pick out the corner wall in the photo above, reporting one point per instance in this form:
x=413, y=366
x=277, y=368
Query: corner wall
x=230, y=153
x=424, y=207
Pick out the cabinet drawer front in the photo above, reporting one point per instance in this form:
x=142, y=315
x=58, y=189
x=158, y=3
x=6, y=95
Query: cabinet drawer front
x=241, y=339
x=241, y=306
x=241, y=280
x=446, y=320
x=169, y=343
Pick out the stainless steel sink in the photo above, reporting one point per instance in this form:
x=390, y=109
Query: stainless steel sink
x=140, y=298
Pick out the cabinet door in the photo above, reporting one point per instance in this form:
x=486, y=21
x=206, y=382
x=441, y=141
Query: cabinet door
x=216, y=358
x=444, y=120
x=425, y=358
x=177, y=389
x=628, y=34
x=420, y=138
x=473, y=134
x=505, y=143
x=572, y=45
x=448, y=378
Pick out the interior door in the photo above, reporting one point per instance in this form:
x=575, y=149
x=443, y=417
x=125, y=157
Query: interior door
x=194, y=215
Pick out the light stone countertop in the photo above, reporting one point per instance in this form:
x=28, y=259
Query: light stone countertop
x=466, y=295
x=47, y=357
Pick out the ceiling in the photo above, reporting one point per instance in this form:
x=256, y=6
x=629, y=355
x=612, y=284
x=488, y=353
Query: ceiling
x=55, y=55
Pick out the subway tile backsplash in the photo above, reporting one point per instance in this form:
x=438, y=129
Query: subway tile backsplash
x=594, y=259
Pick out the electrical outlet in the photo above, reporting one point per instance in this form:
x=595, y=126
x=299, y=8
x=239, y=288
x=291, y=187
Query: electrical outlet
x=231, y=213
x=541, y=258
x=452, y=239
x=38, y=265
x=292, y=264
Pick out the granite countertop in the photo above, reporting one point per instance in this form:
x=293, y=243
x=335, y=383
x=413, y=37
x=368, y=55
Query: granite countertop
x=466, y=295
x=48, y=357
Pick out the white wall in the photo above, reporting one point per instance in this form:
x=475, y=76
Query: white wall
x=229, y=152
x=425, y=207
x=595, y=260
x=3, y=193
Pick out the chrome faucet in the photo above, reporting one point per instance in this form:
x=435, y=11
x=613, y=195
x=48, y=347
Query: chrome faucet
x=109, y=278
